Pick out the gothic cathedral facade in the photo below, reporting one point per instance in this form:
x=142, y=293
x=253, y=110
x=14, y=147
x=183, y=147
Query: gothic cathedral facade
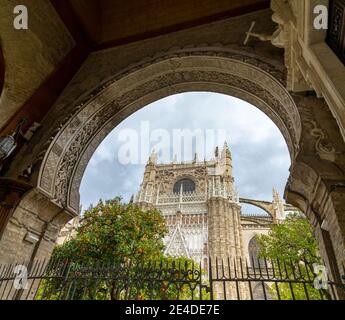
x=202, y=209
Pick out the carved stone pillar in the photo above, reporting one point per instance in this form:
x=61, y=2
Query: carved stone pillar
x=11, y=192
x=329, y=230
x=317, y=181
x=32, y=228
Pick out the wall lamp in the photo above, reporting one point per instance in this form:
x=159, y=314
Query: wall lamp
x=9, y=143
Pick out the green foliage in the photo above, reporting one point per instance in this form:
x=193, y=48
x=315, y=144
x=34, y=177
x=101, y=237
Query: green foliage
x=291, y=240
x=292, y=250
x=185, y=285
x=179, y=282
x=114, y=232
x=130, y=242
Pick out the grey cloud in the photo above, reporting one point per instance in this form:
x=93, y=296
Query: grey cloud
x=260, y=155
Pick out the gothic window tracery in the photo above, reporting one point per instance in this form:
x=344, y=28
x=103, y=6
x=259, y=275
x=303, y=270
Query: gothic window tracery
x=187, y=184
x=254, y=249
x=261, y=292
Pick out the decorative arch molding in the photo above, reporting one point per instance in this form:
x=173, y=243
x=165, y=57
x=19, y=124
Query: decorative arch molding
x=219, y=70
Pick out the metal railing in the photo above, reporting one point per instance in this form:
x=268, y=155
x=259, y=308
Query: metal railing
x=262, y=279
x=229, y=279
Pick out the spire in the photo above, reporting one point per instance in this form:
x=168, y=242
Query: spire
x=195, y=157
x=276, y=196
x=153, y=157
x=226, y=151
x=278, y=205
x=225, y=160
x=150, y=169
x=216, y=152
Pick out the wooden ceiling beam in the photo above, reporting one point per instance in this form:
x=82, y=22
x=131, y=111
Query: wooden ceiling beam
x=72, y=22
x=260, y=5
x=71, y=15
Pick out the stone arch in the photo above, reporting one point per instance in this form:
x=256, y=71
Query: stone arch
x=307, y=191
x=253, y=252
x=253, y=249
x=261, y=291
x=317, y=180
x=204, y=69
x=176, y=188
x=264, y=205
x=305, y=122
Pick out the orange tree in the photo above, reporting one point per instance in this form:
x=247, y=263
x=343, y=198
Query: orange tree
x=115, y=232
x=117, y=253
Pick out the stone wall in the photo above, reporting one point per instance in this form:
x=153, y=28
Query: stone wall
x=30, y=55
x=317, y=180
x=32, y=230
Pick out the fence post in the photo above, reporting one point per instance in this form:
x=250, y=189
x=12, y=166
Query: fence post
x=19, y=292
x=65, y=279
x=69, y=275
x=210, y=277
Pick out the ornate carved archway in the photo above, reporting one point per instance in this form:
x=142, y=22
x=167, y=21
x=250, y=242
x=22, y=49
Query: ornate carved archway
x=214, y=69
x=310, y=131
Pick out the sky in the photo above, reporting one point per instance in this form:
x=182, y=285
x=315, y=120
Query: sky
x=260, y=155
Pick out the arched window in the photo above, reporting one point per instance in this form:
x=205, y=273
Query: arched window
x=261, y=292
x=254, y=249
x=188, y=185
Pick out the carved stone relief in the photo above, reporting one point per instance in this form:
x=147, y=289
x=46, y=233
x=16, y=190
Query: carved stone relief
x=167, y=178
x=214, y=70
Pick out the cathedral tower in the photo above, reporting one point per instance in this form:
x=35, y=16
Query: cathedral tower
x=224, y=227
x=199, y=203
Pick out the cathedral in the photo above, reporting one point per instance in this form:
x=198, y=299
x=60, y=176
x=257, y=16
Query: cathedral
x=71, y=71
x=202, y=209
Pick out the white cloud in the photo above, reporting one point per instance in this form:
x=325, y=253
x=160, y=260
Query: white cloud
x=260, y=155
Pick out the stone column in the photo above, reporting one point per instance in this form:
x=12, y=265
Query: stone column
x=11, y=192
x=323, y=206
x=30, y=224
x=32, y=229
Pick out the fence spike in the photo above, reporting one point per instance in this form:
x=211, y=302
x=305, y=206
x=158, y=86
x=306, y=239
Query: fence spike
x=74, y=279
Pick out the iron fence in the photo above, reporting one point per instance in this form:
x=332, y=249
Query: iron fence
x=262, y=279
x=229, y=279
